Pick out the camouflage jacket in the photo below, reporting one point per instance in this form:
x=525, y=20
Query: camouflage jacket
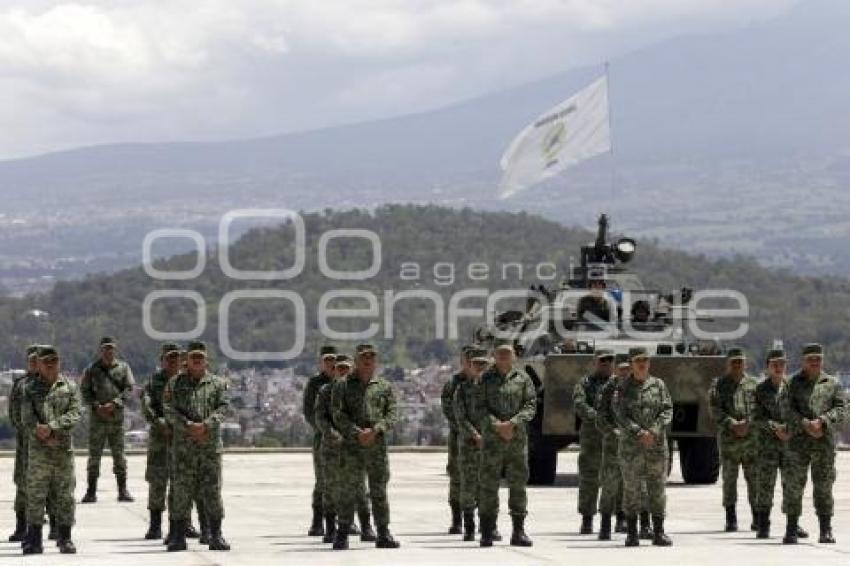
x=310, y=392
x=101, y=385
x=152, y=407
x=730, y=401
x=822, y=397
x=771, y=410
x=509, y=397
x=447, y=400
x=187, y=401
x=643, y=406
x=585, y=394
x=57, y=406
x=16, y=399
x=468, y=404
x=358, y=406
x=606, y=420
x=323, y=414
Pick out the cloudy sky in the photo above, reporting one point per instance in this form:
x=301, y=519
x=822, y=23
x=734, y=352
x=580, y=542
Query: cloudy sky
x=97, y=71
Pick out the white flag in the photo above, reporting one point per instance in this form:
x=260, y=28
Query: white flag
x=574, y=130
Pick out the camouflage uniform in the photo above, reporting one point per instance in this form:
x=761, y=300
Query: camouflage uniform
x=102, y=385
x=611, y=477
x=510, y=397
x=467, y=406
x=730, y=401
x=16, y=399
x=358, y=406
x=447, y=404
x=157, y=469
x=590, y=441
x=770, y=414
x=310, y=392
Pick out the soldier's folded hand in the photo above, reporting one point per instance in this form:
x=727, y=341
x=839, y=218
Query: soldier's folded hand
x=646, y=438
x=42, y=432
x=366, y=437
x=197, y=431
x=477, y=440
x=505, y=430
x=782, y=434
x=740, y=428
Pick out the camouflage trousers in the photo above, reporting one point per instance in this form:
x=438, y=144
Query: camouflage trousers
x=589, y=466
x=50, y=485
x=818, y=455
x=318, y=472
x=102, y=433
x=644, y=469
x=735, y=455
x=453, y=469
x=772, y=459
x=469, y=468
x=355, y=461
x=157, y=471
x=332, y=484
x=196, y=477
x=512, y=457
x=610, y=476
x=20, y=472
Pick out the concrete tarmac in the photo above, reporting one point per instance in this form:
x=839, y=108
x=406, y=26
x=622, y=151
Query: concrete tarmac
x=267, y=501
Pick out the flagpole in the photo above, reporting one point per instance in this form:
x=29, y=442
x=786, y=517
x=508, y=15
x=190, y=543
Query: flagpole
x=613, y=165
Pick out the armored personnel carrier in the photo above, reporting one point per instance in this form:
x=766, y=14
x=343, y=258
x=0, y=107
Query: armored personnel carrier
x=602, y=304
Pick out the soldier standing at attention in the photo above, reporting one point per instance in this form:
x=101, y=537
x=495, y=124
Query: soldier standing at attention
x=467, y=405
x=585, y=395
x=327, y=361
x=817, y=409
x=106, y=386
x=733, y=400
x=644, y=410
x=610, y=476
x=447, y=404
x=364, y=411
x=509, y=403
x=50, y=412
x=195, y=405
x=16, y=398
x=330, y=453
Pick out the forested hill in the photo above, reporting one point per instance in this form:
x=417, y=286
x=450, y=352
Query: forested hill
x=783, y=305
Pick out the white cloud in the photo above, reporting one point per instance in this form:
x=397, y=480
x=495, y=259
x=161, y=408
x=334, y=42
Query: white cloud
x=91, y=71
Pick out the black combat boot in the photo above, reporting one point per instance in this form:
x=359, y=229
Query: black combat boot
x=341, y=540
x=191, y=531
x=177, y=537
x=605, y=527
x=155, y=527
x=826, y=529
x=20, y=528
x=204, y=527
x=316, y=528
x=731, y=519
x=330, y=528
x=385, y=539
x=456, y=527
x=645, y=528
x=33, y=543
x=123, y=494
x=64, y=542
x=620, y=524
x=366, y=532
x=659, y=538
x=53, y=533
x=91, y=490
x=801, y=532
x=790, y=530
x=170, y=533
x=487, y=527
x=469, y=526
x=632, y=538
x=763, y=524
x=217, y=541
x=518, y=536
x=586, y=525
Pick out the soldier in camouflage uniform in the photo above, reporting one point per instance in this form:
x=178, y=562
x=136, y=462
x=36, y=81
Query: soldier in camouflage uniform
x=732, y=401
x=610, y=477
x=643, y=409
x=817, y=410
x=50, y=412
x=16, y=396
x=364, y=412
x=467, y=405
x=330, y=453
x=106, y=386
x=447, y=404
x=327, y=360
x=585, y=396
x=509, y=402
x=196, y=404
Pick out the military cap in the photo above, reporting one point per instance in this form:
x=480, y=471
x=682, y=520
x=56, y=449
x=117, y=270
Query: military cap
x=774, y=354
x=168, y=348
x=343, y=359
x=621, y=360
x=638, y=352
x=465, y=348
x=196, y=347
x=477, y=354
x=108, y=342
x=603, y=353
x=470, y=350
x=47, y=351
x=735, y=353
x=363, y=349
x=812, y=349
x=32, y=350
x=326, y=351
